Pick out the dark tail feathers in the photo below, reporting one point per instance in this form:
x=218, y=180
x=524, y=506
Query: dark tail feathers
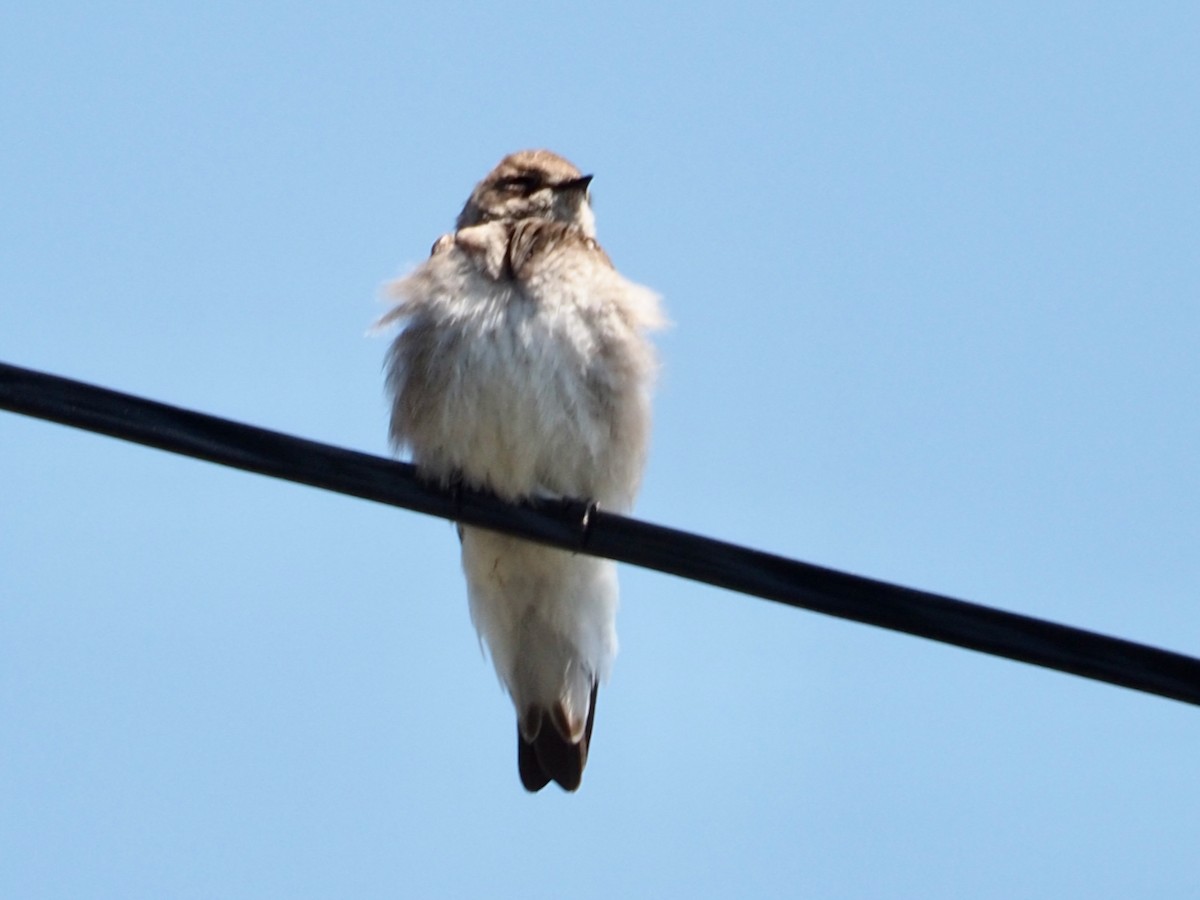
x=551, y=756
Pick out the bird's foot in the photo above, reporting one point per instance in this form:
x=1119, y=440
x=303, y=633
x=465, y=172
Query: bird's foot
x=587, y=512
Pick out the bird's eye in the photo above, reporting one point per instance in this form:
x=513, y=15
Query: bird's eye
x=523, y=184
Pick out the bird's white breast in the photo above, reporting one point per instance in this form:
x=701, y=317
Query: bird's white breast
x=527, y=387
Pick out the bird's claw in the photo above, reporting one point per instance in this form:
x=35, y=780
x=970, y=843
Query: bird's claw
x=590, y=508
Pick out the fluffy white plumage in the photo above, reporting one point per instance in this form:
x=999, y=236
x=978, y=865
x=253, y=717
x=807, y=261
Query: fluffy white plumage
x=523, y=369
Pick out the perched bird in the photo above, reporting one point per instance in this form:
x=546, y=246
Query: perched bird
x=523, y=369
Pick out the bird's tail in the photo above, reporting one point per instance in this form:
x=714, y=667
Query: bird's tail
x=552, y=744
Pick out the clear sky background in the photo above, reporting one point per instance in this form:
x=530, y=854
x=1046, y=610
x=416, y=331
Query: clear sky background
x=935, y=282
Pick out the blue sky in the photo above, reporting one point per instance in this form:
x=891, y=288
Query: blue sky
x=936, y=302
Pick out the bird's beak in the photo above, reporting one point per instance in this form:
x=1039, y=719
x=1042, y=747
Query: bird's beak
x=575, y=184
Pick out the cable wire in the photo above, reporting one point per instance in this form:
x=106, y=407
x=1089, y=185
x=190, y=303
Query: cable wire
x=573, y=525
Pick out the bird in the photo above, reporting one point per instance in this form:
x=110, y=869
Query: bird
x=523, y=367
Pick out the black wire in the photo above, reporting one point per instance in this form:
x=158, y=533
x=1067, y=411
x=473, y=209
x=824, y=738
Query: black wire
x=574, y=526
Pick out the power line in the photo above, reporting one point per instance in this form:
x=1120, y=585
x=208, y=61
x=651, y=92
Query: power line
x=573, y=526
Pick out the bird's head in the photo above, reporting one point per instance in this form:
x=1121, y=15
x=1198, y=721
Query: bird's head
x=531, y=184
